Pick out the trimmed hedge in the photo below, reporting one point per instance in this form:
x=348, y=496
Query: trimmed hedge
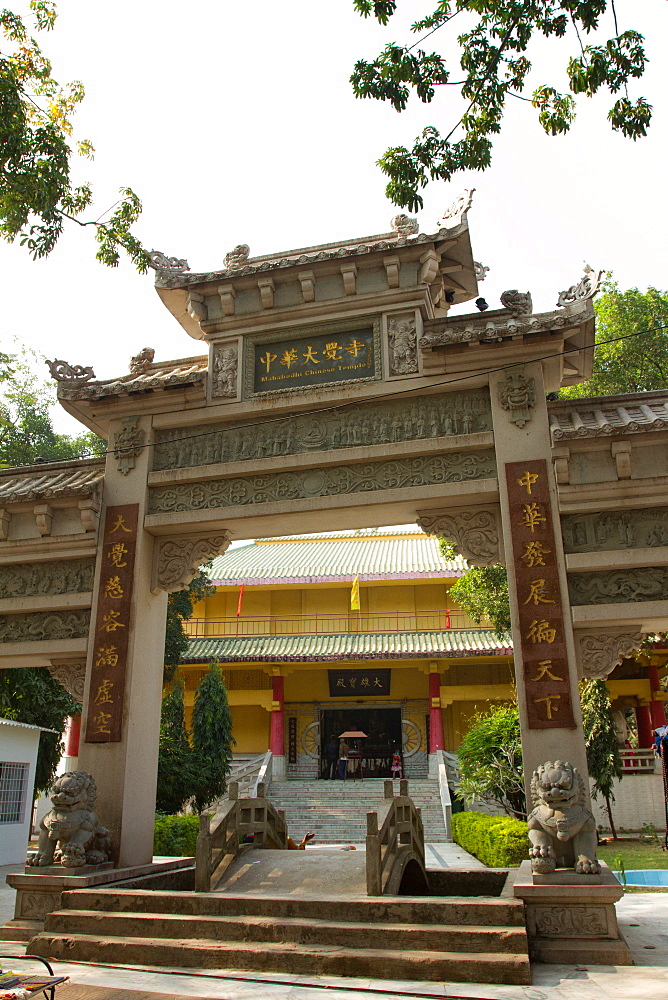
x=175, y=836
x=497, y=841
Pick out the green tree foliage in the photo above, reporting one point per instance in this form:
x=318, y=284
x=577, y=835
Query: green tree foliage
x=180, y=606
x=490, y=761
x=212, y=736
x=26, y=428
x=37, y=191
x=493, y=64
x=178, y=767
x=194, y=766
x=483, y=593
x=603, y=757
x=637, y=364
x=30, y=694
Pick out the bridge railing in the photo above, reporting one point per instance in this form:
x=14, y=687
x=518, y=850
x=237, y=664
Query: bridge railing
x=400, y=831
x=444, y=793
x=221, y=835
x=249, y=774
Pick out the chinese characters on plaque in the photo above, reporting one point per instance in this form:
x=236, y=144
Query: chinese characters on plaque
x=323, y=358
x=292, y=739
x=541, y=617
x=112, y=625
x=344, y=683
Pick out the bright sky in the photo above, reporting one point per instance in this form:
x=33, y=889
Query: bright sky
x=235, y=123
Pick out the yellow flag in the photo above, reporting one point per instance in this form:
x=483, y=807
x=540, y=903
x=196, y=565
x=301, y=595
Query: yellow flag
x=355, y=595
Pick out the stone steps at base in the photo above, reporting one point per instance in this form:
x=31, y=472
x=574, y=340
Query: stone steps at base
x=296, y=930
x=329, y=960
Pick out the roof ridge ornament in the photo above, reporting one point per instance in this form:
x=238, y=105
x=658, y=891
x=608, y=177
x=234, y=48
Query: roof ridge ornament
x=404, y=226
x=517, y=303
x=238, y=257
x=480, y=270
x=586, y=288
x=167, y=265
x=61, y=371
x=142, y=361
x=455, y=213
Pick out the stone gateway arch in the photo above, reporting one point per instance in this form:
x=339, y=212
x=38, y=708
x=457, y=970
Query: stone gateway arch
x=334, y=390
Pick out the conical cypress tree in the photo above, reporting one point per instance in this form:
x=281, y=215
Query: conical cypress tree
x=177, y=768
x=212, y=737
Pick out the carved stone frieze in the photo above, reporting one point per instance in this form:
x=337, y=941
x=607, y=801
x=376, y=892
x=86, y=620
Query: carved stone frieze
x=473, y=532
x=335, y=481
x=128, y=444
x=71, y=576
x=36, y=905
x=363, y=424
x=619, y=586
x=41, y=625
x=225, y=369
x=402, y=339
x=178, y=559
x=647, y=527
x=598, y=653
x=71, y=676
x=517, y=395
x=570, y=921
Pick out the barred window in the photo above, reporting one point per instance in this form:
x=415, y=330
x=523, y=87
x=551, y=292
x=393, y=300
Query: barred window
x=13, y=791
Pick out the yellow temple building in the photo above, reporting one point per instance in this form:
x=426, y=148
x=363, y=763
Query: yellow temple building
x=408, y=668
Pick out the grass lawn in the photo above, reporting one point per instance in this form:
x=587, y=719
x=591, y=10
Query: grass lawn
x=635, y=853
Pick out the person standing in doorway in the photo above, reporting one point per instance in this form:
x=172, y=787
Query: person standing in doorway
x=331, y=754
x=343, y=759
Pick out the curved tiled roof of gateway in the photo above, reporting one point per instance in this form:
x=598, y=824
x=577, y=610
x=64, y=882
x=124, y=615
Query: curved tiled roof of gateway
x=371, y=554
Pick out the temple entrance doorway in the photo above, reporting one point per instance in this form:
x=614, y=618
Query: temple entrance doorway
x=383, y=737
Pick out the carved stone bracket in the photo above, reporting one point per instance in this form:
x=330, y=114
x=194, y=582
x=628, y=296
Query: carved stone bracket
x=5, y=521
x=128, y=443
x=43, y=518
x=177, y=560
x=71, y=676
x=598, y=653
x=474, y=532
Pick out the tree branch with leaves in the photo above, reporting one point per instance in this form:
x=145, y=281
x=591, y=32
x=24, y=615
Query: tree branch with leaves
x=37, y=192
x=494, y=66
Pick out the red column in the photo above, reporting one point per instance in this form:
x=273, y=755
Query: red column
x=436, y=739
x=277, y=715
x=72, y=736
x=644, y=723
x=656, y=708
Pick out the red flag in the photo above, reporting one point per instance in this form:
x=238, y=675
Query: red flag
x=447, y=619
x=241, y=597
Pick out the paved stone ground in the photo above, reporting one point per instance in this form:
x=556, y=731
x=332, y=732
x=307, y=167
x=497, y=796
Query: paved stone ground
x=643, y=919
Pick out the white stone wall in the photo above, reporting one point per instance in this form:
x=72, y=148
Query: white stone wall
x=638, y=801
x=18, y=746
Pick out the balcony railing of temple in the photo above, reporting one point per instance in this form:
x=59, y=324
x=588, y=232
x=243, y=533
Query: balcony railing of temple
x=332, y=624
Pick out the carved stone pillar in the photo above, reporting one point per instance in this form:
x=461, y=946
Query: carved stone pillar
x=474, y=532
x=599, y=652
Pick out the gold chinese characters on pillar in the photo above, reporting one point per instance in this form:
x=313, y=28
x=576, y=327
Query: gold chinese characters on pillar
x=539, y=599
x=112, y=625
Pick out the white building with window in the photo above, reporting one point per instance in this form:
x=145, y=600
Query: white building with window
x=18, y=757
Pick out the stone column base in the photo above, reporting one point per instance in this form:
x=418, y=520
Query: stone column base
x=278, y=769
x=39, y=892
x=571, y=919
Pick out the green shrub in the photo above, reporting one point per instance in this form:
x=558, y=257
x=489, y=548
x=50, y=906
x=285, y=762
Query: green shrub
x=497, y=841
x=175, y=836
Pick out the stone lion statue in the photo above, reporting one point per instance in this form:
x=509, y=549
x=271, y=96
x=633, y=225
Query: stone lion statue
x=562, y=830
x=72, y=825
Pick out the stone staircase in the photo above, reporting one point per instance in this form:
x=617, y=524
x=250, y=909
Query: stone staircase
x=423, y=938
x=336, y=810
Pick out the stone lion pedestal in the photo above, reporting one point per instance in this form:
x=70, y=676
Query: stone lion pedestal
x=571, y=918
